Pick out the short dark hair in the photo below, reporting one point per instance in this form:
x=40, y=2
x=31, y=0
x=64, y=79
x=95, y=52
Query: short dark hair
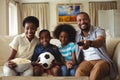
x=84, y=13
x=66, y=28
x=45, y=30
x=31, y=19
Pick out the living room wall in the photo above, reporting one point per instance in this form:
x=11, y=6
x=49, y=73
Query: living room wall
x=53, y=4
x=3, y=17
x=53, y=16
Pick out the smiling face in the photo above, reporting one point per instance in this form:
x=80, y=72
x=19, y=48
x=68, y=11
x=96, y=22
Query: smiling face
x=45, y=38
x=30, y=30
x=83, y=21
x=63, y=37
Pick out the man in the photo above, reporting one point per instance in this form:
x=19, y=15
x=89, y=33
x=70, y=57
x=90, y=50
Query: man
x=96, y=63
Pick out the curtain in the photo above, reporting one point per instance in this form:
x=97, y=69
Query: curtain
x=19, y=15
x=18, y=5
x=95, y=6
x=40, y=10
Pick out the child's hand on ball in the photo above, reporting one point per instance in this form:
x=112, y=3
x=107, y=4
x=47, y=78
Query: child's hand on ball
x=37, y=63
x=55, y=62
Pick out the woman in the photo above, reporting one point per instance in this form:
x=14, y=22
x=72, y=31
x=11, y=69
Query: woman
x=22, y=46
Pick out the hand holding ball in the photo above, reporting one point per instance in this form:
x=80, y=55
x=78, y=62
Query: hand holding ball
x=46, y=60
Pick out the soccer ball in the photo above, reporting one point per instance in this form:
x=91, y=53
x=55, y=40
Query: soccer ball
x=46, y=60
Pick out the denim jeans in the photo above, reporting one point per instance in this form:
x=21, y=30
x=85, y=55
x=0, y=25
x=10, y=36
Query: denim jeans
x=70, y=72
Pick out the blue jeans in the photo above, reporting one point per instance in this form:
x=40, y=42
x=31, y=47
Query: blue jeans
x=70, y=72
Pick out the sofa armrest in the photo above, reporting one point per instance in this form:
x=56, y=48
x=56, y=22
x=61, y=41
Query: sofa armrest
x=4, y=48
x=111, y=44
x=116, y=56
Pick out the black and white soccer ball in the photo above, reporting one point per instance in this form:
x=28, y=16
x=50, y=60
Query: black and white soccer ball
x=46, y=59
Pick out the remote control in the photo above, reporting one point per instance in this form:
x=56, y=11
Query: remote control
x=80, y=43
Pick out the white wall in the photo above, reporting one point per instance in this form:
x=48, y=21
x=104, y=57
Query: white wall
x=53, y=14
x=53, y=5
x=109, y=20
x=53, y=17
x=118, y=2
x=3, y=17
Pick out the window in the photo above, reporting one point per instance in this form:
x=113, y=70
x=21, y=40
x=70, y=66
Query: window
x=13, y=23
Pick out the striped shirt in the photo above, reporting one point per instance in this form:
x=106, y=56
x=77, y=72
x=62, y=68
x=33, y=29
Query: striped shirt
x=67, y=51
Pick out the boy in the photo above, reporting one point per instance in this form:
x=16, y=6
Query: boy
x=45, y=46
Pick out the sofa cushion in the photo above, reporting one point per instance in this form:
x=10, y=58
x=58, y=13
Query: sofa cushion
x=1, y=70
x=4, y=48
x=55, y=42
x=111, y=44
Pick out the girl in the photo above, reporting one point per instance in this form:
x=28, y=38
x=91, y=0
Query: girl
x=66, y=34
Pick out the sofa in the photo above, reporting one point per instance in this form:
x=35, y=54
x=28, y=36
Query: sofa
x=113, y=47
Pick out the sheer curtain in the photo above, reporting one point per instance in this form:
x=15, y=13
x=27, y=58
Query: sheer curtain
x=19, y=15
x=95, y=6
x=18, y=10
x=40, y=10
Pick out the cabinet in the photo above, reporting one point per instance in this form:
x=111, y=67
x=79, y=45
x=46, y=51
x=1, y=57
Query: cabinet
x=110, y=21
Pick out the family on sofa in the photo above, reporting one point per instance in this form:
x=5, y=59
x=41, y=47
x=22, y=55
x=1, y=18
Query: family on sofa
x=88, y=58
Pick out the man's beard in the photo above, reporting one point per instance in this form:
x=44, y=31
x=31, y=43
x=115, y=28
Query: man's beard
x=87, y=27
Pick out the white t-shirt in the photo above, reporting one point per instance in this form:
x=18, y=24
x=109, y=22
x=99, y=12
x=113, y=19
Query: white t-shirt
x=90, y=54
x=23, y=47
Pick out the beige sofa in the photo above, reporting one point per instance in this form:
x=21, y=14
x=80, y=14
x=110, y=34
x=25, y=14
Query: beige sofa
x=113, y=46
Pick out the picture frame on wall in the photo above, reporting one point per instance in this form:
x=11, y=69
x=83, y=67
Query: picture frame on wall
x=66, y=13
